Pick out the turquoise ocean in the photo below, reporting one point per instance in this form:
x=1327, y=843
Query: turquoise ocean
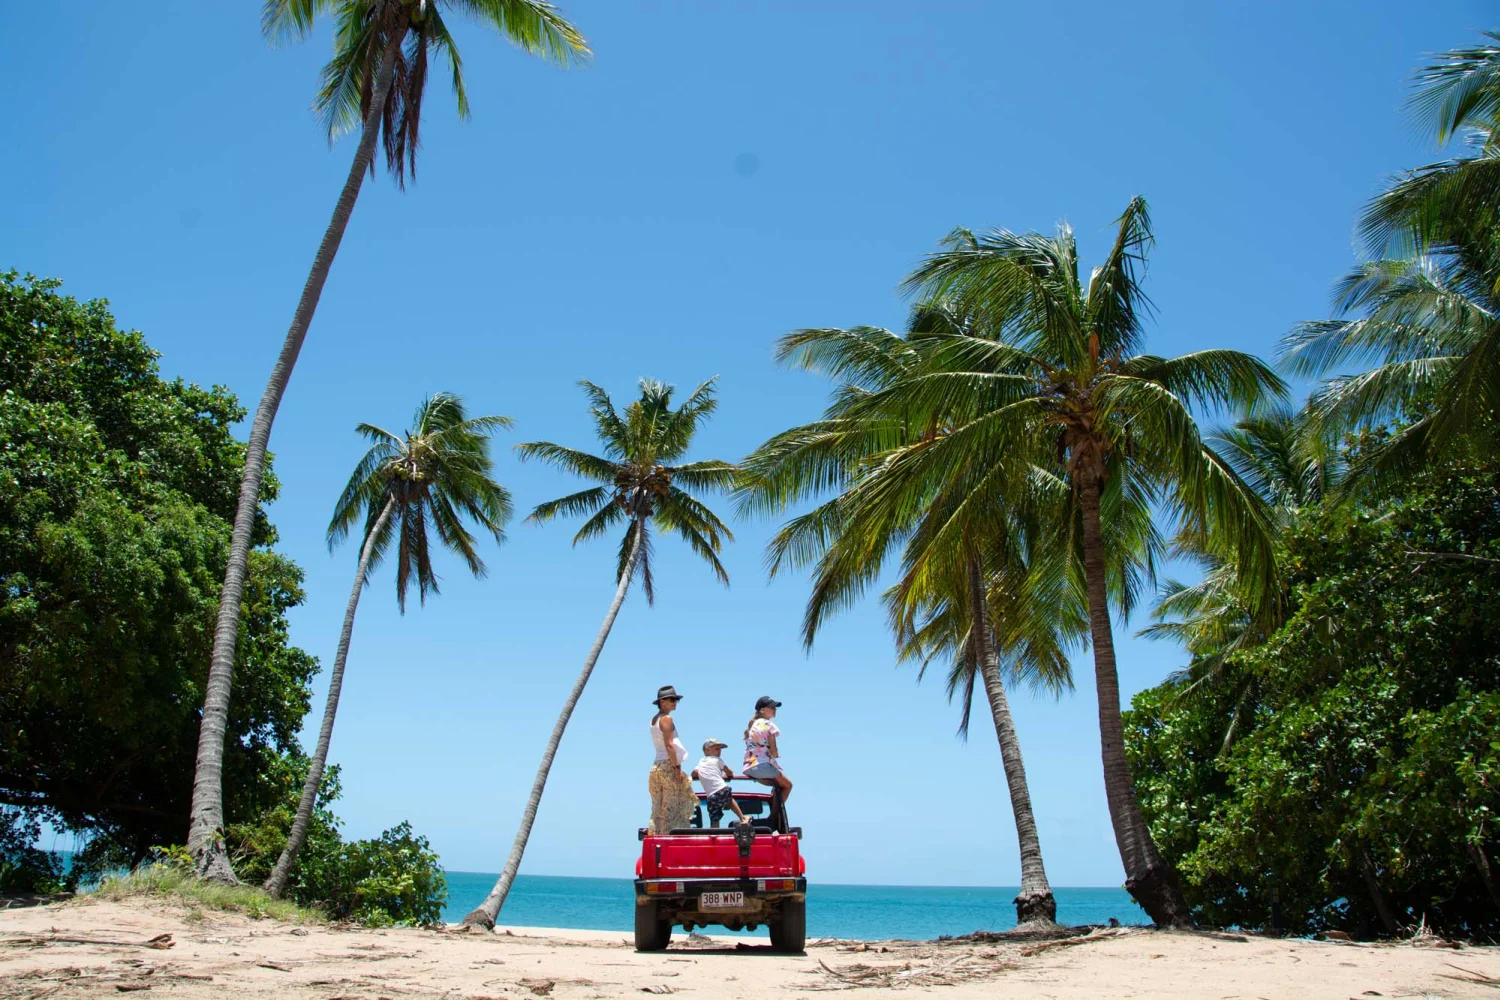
x=861, y=912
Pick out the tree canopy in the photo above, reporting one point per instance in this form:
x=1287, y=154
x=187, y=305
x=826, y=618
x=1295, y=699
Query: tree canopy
x=1371, y=718
x=116, y=491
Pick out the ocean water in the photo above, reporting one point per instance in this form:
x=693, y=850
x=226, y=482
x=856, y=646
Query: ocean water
x=861, y=912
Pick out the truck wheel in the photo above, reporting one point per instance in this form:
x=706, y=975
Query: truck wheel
x=789, y=932
x=652, y=933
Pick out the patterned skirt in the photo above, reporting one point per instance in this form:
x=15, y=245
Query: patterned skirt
x=672, y=798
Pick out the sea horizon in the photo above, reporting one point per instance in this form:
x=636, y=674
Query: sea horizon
x=854, y=911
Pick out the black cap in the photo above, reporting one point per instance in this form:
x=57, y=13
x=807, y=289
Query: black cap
x=766, y=701
x=664, y=692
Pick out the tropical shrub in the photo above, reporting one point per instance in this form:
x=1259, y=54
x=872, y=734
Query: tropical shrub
x=395, y=878
x=392, y=878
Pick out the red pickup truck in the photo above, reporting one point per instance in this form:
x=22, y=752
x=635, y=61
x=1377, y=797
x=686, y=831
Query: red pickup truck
x=739, y=877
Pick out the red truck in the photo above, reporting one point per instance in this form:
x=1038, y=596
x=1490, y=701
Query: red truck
x=739, y=876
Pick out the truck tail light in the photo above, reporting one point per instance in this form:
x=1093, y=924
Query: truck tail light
x=777, y=884
x=666, y=888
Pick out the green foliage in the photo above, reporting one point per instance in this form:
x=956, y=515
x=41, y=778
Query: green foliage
x=364, y=29
x=1365, y=776
x=1423, y=346
x=116, y=492
x=437, y=474
x=393, y=878
x=640, y=479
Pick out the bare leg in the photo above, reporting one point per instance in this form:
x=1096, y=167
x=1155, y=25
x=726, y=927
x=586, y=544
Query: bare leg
x=785, y=784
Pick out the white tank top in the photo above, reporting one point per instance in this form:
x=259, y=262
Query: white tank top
x=659, y=741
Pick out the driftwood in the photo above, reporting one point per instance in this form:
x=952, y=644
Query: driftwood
x=944, y=972
x=1070, y=942
x=161, y=942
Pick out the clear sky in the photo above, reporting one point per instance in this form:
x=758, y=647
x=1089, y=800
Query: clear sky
x=723, y=173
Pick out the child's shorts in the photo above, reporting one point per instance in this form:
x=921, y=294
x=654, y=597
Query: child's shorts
x=717, y=803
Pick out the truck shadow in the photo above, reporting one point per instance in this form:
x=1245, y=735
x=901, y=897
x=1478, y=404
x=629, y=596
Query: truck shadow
x=739, y=948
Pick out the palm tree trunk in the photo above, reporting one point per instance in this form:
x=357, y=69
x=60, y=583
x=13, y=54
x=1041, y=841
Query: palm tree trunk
x=485, y=913
x=206, y=820
x=276, y=884
x=1148, y=877
x=1034, y=903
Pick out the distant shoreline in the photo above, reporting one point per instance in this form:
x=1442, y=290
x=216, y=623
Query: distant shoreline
x=841, y=885
x=844, y=911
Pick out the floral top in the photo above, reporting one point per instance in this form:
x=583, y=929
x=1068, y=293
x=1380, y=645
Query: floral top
x=758, y=743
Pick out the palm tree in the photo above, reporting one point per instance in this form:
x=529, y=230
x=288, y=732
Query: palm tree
x=438, y=474
x=981, y=606
x=1458, y=96
x=1430, y=326
x=376, y=80
x=945, y=602
x=1069, y=393
x=639, y=485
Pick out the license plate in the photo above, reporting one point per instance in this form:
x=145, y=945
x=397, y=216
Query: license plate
x=721, y=900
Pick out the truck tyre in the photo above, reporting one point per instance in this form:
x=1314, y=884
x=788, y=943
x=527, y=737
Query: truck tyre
x=789, y=932
x=652, y=933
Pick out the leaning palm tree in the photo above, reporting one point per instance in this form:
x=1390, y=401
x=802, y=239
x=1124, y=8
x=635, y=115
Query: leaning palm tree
x=1066, y=391
x=437, y=473
x=641, y=487
x=980, y=605
x=375, y=80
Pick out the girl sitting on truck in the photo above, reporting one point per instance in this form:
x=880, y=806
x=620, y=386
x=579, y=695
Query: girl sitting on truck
x=761, y=756
x=672, y=798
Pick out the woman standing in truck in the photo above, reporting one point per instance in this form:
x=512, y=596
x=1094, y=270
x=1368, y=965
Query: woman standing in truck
x=762, y=756
x=672, y=798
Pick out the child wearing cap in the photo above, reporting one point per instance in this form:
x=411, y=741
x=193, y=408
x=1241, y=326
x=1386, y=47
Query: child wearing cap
x=713, y=774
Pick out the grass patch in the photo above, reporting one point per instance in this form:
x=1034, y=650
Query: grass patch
x=171, y=882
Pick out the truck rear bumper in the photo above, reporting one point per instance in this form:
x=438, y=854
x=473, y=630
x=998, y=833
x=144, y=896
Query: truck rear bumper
x=753, y=888
x=680, y=901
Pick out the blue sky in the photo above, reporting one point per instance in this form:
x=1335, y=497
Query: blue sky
x=720, y=175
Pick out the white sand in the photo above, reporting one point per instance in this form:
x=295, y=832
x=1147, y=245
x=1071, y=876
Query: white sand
x=223, y=956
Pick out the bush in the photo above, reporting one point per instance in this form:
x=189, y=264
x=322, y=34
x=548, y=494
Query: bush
x=392, y=879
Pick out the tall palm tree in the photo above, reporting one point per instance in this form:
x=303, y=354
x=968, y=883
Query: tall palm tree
x=944, y=589
x=438, y=473
x=376, y=80
x=1065, y=390
x=641, y=485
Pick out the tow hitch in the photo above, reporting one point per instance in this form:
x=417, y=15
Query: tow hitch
x=744, y=837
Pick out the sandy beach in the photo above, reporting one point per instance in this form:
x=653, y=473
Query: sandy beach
x=88, y=948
